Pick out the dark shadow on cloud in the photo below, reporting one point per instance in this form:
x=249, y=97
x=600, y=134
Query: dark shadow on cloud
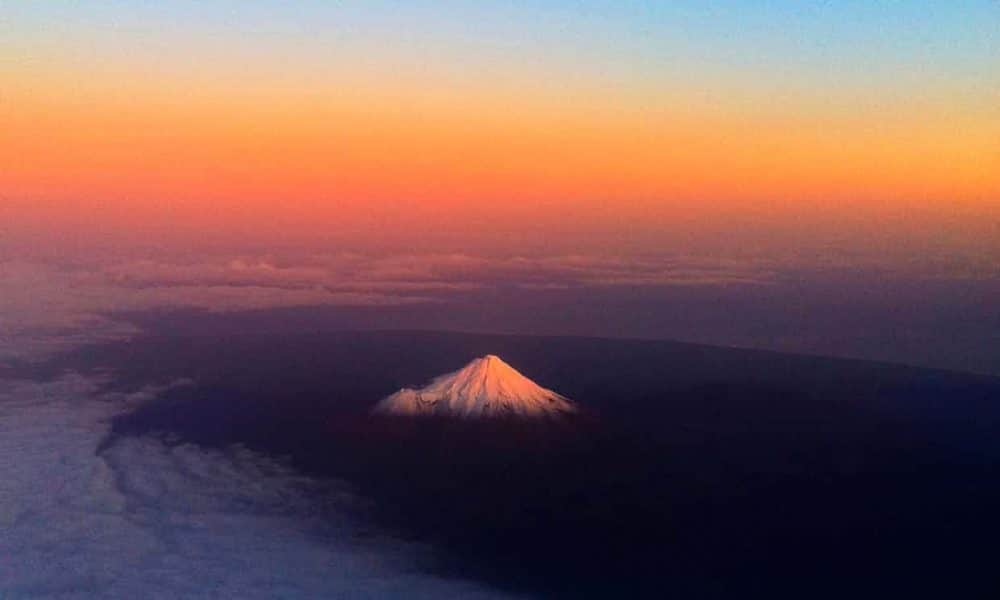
x=696, y=470
x=935, y=315
x=932, y=322
x=151, y=516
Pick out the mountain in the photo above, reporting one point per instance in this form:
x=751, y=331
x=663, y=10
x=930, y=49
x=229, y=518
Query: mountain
x=487, y=387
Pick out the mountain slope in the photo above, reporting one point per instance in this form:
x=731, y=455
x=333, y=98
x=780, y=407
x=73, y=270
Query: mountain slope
x=487, y=387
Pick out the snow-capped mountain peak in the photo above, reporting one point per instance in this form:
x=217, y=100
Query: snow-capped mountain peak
x=487, y=387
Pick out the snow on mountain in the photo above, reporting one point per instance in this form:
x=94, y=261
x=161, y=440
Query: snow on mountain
x=487, y=387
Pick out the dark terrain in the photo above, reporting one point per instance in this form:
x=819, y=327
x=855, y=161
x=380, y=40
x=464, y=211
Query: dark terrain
x=694, y=471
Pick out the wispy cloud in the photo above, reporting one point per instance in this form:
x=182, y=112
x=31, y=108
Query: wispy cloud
x=45, y=306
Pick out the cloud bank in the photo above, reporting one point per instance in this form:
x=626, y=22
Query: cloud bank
x=143, y=519
x=47, y=306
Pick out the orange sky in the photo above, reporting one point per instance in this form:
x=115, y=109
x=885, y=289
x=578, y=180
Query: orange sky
x=260, y=148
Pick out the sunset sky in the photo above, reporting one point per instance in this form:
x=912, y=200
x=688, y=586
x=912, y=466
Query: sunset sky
x=740, y=260
x=815, y=177
x=503, y=128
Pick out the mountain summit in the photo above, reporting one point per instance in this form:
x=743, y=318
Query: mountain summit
x=487, y=387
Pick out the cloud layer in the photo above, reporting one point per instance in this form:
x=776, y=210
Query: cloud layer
x=45, y=306
x=146, y=520
x=801, y=305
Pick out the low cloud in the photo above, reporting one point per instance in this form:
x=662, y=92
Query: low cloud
x=143, y=519
x=47, y=306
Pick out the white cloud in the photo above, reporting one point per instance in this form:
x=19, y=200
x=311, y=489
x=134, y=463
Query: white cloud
x=147, y=520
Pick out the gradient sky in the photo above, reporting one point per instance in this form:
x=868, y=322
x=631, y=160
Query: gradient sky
x=779, y=128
